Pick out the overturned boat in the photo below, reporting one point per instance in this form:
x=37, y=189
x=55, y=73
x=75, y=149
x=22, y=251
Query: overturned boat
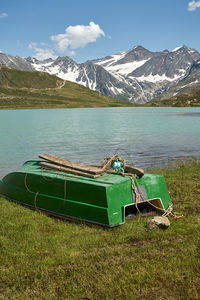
x=106, y=195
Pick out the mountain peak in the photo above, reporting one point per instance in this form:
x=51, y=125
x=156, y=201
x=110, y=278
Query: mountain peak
x=139, y=48
x=177, y=48
x=183, y=47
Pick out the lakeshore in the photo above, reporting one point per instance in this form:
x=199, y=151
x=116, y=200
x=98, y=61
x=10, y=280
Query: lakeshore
x=43, y=257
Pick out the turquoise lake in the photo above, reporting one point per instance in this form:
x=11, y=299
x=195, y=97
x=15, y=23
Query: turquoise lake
x=143, y=136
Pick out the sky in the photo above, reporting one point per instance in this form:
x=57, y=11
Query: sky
x=90, y=29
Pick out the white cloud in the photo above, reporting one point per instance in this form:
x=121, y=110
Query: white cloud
x=193, y=5
x=44, y=44
x=77, y=37
x=74, y=37
x=32, y=45
x=41, y=53
x=3, y=15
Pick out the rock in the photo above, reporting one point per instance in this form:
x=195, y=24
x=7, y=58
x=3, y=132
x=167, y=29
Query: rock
x=161, y=222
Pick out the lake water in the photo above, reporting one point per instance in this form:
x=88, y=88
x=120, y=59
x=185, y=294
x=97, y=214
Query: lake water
x=143, y=136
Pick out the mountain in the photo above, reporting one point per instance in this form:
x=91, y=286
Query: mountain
x=152, y=72
x=87, y=74
x=33, y=89
x=15, y=62
x=137, y=75
x=184, y=93
x=186, y=85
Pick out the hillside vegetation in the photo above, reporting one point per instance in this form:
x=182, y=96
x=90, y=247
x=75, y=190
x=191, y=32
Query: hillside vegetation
x=189, y=99
x=32, y=89
x=46, y=258
x=13, y=78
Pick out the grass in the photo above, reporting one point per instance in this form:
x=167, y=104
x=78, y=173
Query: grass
x=46, y=258
x=33, y=89
x=13, y=78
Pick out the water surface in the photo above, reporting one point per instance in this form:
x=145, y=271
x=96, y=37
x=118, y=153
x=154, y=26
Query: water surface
x=145, y=136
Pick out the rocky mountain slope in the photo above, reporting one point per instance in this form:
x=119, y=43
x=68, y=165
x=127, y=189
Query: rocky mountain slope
x=137, y=75
x=153, y=72
x=15, y=62
x=186, y=85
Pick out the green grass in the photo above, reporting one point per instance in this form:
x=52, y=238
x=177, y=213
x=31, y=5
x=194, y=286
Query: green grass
x=46, y=258
x=32, y=89
x=13, y=78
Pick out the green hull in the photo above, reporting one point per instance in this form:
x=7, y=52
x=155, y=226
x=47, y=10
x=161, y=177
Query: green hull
x=106, y=200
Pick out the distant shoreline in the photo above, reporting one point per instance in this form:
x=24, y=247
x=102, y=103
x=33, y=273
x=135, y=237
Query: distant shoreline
x=125, y=104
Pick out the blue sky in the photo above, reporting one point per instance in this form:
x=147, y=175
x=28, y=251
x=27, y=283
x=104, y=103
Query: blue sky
x=89, y=29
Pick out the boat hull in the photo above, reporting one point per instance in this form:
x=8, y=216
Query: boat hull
x=106, y=200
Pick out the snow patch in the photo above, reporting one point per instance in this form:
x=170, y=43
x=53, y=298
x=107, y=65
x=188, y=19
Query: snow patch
x=191, y=83
x=113, y=59
x=127, y=68
x=115, y=90
x=71, y=75
x=157, y=78
x=176, y=49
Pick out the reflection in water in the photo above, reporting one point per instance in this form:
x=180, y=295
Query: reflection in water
x=189, y=114
x=143, y=136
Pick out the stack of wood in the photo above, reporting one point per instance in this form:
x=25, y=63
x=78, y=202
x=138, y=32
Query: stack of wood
x=56, y=163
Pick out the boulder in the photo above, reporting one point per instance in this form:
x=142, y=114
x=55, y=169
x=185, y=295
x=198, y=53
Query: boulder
x=158, y=221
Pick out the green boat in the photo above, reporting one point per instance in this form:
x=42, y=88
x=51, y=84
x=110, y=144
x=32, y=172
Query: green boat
x=107, y=200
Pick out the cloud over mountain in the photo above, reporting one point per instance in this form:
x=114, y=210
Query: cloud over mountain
x=41, y=53
x=77, y=37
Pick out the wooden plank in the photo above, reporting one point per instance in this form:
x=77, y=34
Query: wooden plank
x=75, y=166
x=66, y=170
x=133, y=170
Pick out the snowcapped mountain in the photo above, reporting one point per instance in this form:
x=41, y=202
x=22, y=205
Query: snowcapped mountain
x=153, y=72
x=15, y=62
x=123, y=63
x=187, y=84
x=137, y=75
x=88, y=74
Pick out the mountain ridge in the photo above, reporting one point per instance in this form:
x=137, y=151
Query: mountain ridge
x=137, y=75
x=33, y=89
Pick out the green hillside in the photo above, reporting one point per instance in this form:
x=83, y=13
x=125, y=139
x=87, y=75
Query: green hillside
x=13, y=78
x=189, y=99
x=32, y=89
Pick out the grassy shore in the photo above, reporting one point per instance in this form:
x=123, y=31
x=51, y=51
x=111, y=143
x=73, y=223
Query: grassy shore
x=46, y=258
